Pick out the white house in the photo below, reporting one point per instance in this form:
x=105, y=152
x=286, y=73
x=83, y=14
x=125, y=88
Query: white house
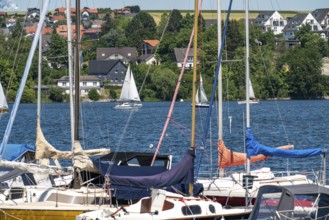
x=180, y=55
x=270, y=21
x=296, y=22
x=86, y=84
x=322, y=17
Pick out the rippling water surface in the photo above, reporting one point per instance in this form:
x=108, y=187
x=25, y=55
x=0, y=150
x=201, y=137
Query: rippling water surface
x=301, y=123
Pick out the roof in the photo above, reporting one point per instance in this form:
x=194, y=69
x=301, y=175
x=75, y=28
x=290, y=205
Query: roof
x=101, y=67
x=59, y=18
x=180, y=53
x=82, y=78
x=127, y=52
x=320, y=14
x=295, y=22
x=153, y=43
x=146, y=57
x=264, y=15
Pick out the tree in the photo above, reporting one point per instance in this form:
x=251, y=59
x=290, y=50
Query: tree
x=164, y=81
x=141, y=27
x=304, y=76
x=175, y=20
x=56, y=94
x=28, y=96
x=57, y=50
x=93, y=95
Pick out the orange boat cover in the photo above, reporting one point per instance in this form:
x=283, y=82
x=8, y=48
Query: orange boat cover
x=228, y=158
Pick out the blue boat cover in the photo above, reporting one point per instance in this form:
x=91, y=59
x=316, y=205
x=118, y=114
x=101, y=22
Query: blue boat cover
x=131, y=182
x=14, y=152
x=254, y=148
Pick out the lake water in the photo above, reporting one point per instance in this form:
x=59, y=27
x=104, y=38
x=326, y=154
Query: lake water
x=301, y=123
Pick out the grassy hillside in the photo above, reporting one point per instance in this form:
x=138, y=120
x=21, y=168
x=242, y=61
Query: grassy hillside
x=212, y=14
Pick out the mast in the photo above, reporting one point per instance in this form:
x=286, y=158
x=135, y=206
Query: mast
x=195, y=58
x=39, y=72
x=220, y=83
x=77, y=72
x=246, y=179
x=24, y=78
x=247, y=77
x=70, y=66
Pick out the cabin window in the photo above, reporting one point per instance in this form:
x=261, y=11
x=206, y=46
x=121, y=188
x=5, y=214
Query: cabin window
x=191, y=210
x=212, y=209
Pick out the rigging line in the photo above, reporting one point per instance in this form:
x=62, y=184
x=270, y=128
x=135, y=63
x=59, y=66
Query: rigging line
x=155, y=52
x=275, y=101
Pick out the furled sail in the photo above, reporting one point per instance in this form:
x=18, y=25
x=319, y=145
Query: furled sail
x=255, y=148
x=229, y=158
x=45, y=151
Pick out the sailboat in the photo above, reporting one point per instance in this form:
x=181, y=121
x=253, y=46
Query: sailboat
x=3, y=101
x=129, y=97
x=201, y=98
x=252, y=98
x=241, y=188
x=162, y=205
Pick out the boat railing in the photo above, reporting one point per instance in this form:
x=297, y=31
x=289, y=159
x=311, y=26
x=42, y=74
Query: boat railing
x=312, y=176
x=94, y=199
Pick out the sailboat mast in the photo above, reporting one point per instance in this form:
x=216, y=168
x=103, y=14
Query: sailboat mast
x=70, y=66
x=77, y=71
x=195, y=54
x=39, y=72
x=247, y=77
x=220, y=78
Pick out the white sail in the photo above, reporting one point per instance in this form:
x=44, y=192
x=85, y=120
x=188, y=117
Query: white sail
x=124, y=96
x=133, y=92
x=3, y=101
x=201, y=98
x=129, y=90
x=251, y=91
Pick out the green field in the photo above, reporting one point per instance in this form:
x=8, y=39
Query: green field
x=212, y=14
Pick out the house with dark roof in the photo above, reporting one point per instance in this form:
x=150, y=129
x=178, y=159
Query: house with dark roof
x=113, y=71
x=149, y=59
x=296, y=22
x=86, y=84
x=270, y=21
x=180, y=55
x=322, y=17
x=125, y=54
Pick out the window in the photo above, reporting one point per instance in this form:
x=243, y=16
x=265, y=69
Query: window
x=84, y=83
x=189, y=58
x=191, y=210
x=64, y=83
x=94, y=83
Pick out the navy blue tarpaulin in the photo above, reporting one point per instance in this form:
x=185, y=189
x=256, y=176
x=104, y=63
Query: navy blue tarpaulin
x=131, y=182
x=254, y=148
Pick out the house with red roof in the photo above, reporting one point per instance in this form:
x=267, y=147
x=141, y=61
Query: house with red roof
x=148, y=46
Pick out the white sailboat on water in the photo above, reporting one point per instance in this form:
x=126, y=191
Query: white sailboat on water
x=129, y=97
x=201, y=97
x=252, y=98
x=3, y=101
